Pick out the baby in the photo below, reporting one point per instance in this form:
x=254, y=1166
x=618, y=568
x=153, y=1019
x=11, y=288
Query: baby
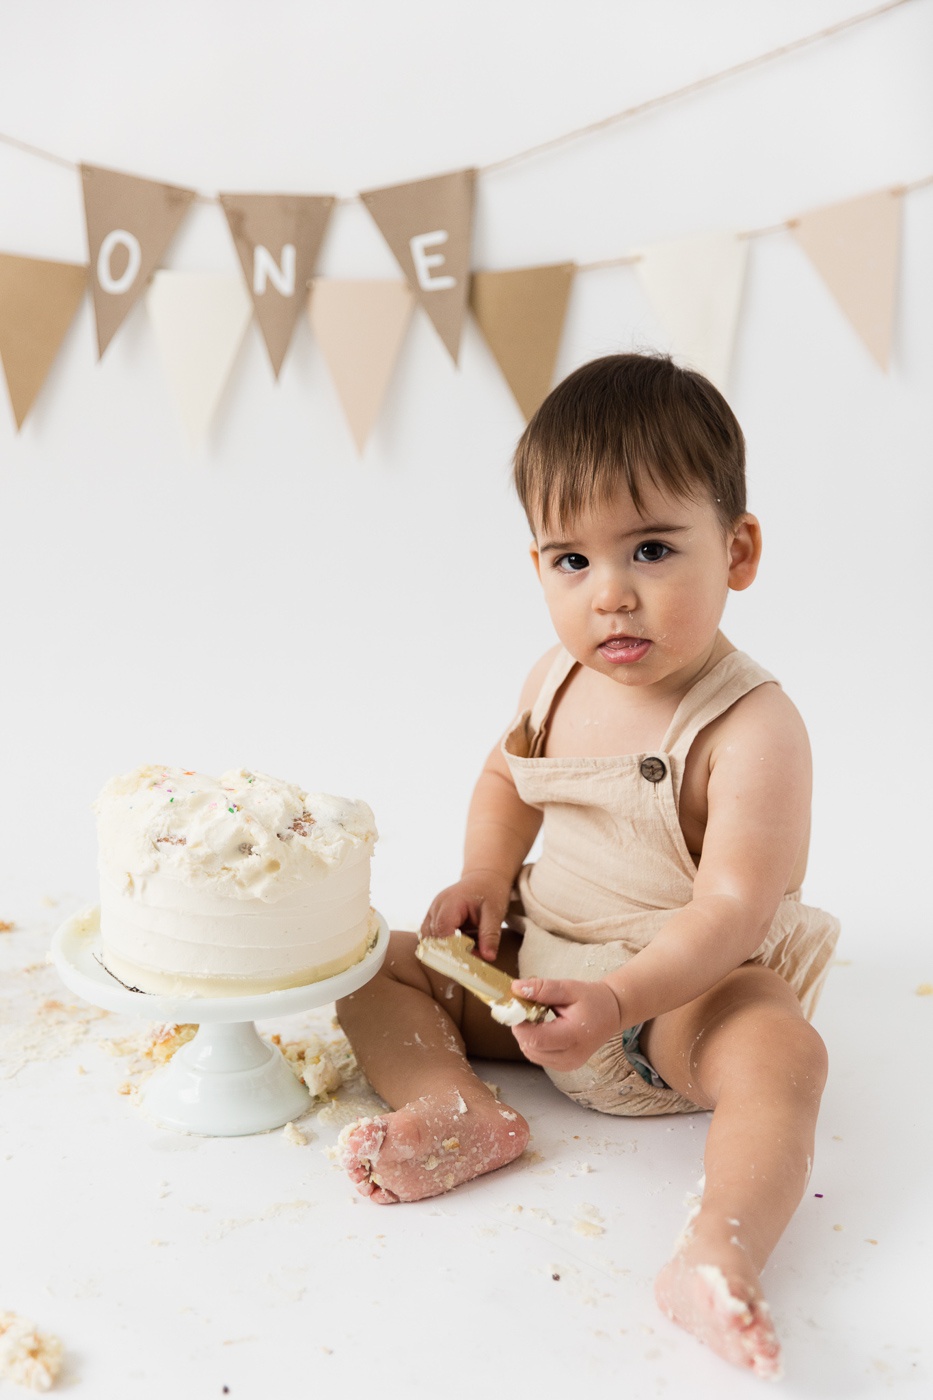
x=663, y=922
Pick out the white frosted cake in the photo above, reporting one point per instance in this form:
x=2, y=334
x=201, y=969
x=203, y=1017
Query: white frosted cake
x=230, y=886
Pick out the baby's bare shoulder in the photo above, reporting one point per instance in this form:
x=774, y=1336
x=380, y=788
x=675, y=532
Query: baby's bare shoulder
x=764, y=723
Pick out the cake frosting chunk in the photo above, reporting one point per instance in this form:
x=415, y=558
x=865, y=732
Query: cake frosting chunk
x=232, y=885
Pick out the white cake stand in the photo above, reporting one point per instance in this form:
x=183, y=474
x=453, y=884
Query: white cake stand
x=227, y=1081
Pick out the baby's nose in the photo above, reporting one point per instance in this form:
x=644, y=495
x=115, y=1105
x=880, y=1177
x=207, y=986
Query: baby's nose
x=614, y=594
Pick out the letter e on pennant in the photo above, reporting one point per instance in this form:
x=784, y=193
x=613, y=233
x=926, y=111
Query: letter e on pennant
x=443, y=205
x=424, y=261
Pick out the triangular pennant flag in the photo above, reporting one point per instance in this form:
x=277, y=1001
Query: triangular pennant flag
x=199, y=319
x=521, y=313
x=428, y=225
x=130, y=223
x=360, y=327
x=38, y=301
x=854, y=246
x=277, y=237
x=695, y=286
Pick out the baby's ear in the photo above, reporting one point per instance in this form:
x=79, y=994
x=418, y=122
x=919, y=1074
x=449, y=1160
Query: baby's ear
x=535, y=557
x=744, y=552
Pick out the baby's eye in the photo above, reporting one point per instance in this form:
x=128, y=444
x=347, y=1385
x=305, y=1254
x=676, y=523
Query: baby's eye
x=571, y=563
x=652, y=552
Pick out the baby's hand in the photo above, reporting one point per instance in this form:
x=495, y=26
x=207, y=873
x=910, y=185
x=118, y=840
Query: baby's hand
x=587, y=1015
x=477, y=901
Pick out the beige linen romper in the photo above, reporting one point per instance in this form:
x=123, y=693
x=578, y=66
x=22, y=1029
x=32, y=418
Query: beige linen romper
x=614, y=866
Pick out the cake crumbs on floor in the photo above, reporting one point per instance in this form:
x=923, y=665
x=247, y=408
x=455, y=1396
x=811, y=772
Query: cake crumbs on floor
x=589, y=1221
x=28, y=1357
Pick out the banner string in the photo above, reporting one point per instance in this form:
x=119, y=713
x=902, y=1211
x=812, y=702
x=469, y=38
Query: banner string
x=648, y=105
x=652, y=102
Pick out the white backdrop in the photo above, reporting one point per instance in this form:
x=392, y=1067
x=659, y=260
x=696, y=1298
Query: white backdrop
x=364, y=626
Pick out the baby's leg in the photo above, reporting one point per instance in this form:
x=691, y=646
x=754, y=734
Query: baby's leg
x=745, y=1050
x=411, y=1030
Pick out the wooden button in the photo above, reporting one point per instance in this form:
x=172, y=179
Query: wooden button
x=653, y=769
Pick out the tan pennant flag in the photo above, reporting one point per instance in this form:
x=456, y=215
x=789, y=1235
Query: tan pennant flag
x=428, y=225
x=521, y=313
x=130, y=223
x=695, y=286
x=360, y=327
x=200, y=319
x=38, y=301
x=854, y=246
x=278, y=238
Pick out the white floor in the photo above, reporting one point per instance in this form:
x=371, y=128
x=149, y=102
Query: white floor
x=198, y=1267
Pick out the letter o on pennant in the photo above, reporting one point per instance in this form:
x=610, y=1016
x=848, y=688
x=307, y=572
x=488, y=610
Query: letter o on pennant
x=118, y=237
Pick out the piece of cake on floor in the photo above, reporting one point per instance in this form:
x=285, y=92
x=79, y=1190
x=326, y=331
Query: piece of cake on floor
x=230, y=886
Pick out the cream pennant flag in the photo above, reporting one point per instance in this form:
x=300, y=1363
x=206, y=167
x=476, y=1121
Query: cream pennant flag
x=428, y=225
x=130, y=223
x=360, y=326
x=38, y=301
x=854, y=246
x=200, y=319
x=521, y=313
x=278, y=238
x=695, y=286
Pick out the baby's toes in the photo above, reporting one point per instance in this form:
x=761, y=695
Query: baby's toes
x=360, y=1144
x=361, y=1178
x=382, y=1195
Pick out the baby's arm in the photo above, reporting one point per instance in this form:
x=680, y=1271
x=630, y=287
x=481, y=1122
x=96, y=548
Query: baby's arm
x=501, y=829
x=759, y=811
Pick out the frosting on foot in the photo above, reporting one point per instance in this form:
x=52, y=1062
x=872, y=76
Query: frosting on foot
x=699, y=1298
x=430, y=1146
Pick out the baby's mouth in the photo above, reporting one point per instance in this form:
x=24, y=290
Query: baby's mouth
x=624, y=648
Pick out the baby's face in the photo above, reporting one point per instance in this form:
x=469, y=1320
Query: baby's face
x=638, y=596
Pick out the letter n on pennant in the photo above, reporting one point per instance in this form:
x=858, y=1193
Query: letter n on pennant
x=278, y=238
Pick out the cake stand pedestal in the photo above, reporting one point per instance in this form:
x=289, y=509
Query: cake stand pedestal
x=227, y=1081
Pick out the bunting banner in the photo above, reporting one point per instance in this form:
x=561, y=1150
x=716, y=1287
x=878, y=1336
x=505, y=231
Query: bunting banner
x=360, y=327
x=278, y=238
x=38, y=301
x=855, y=247
x=521, y=314
x=200, y=319
x=130, y=223
x=694, y=282
x=695, y=286
x=429, y=225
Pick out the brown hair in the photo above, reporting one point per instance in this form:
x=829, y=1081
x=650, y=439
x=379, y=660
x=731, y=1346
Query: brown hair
x=629, y=419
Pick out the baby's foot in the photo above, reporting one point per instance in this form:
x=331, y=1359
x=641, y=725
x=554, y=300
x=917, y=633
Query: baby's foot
x=431, y=1145
x=719, y=1300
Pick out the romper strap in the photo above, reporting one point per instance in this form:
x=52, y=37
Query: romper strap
x=560, y=669
x=734, y=676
